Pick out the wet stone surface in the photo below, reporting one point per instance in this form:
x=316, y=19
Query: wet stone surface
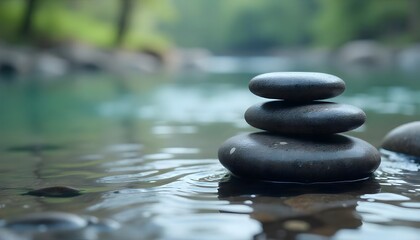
x=47, y=221
x=296, y=86
x=55, y=225
x=316, y=117
x=272, y=157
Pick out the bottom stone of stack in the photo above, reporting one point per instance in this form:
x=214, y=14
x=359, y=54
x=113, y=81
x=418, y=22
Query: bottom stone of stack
x=272, y=157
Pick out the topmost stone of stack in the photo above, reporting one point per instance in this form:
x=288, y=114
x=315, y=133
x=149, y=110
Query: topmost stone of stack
x=297, y=86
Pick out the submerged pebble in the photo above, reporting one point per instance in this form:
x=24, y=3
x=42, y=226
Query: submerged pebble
x=58, y=221
x=9, y=235
x=296, y=225
x=47, y=221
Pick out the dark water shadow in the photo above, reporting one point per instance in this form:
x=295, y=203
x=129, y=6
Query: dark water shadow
x=287, y=210
x=34, y=148
x=231, y=186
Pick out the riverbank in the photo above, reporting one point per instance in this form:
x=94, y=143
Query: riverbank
x=357, y=56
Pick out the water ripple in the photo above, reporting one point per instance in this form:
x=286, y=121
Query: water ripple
x=179, y=150
x=208, y=226
x=383, y=212
x=180, y=196
x=126, y=177
x=374, y=231
x=385, y=197
x=168, y=186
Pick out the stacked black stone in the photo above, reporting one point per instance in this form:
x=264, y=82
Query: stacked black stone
x=300, y=141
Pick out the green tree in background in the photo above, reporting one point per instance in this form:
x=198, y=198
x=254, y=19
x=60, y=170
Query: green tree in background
x=124, y=17
x=263, y=25
x=390, y=21
x=27, y=19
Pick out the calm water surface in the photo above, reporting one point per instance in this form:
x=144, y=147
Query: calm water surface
x=144, y=151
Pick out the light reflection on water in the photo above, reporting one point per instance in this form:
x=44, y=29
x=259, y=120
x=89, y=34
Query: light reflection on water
x=195, y=106
x=390, y=100
x=145, y=155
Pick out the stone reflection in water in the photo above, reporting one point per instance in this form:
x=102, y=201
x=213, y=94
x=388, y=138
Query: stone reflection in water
x=287, y=210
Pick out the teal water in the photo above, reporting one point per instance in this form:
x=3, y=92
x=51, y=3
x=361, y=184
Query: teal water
x=144, y=151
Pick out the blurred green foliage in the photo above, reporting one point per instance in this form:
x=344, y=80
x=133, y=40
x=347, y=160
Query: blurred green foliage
x=89, y=21
x=244, y=25
x=219, y=25
x=389, y=21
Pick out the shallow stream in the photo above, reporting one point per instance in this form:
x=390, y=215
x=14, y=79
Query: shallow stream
x=143, y=149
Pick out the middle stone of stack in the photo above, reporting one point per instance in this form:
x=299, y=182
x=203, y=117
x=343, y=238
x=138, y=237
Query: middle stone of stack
x=298, y=113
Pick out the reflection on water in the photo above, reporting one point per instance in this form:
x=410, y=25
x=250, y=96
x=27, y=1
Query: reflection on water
x=143, y=151
x=319, y=208
x=195, y=106
x=389, y=100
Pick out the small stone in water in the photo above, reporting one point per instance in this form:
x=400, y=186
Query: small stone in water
x=47, y=221
x=296, y=225
x=404, y=139
x=58, y=191
x=8, y=235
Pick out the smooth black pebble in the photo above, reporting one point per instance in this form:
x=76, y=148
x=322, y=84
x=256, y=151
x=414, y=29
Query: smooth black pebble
x=296, y=86
x=404, y=139
x=317, y=117
x=57, y=191
x=272, y=157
